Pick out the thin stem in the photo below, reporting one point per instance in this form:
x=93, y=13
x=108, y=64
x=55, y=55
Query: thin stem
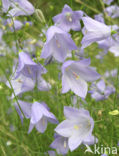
x=12, y=90
x=93, y=9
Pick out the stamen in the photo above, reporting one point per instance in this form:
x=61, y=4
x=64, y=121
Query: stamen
x=43, y=121
x=58, y=44
x=76, y=127
x=65, y=145
x=10, y=24
x=20, y=81
x=68, y=16
x=29, y=70
x=75, y=75
x=33, y=41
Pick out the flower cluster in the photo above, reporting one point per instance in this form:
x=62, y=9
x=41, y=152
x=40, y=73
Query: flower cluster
x=76, y=74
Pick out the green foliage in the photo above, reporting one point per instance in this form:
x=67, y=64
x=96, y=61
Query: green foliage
x=35, y=144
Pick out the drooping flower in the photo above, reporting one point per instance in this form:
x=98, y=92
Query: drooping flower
x=42, y=84
x=99, y=17
x=68, y=19
x=18, y=7
x=75, y=76
x=14, y=24
x=77, y=127
x=94, y=31
x=58, y=44
x=100, y=91
x=25, y=107
x=60, y=144
x=112, y=11
x=105, y=44
x=40, y=115
x=112, y=73
x=108, y=2
x=21, y=84
x=28, y=67
x=5, y=5
x=21, y=8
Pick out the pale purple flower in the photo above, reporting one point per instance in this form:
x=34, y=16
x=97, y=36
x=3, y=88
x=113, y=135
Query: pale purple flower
x=106, y=43
x=25, y=107
x=21, y=8
x=21, y=84
x=112, y=73
x=101, y=55
x=77, y=127
x=28, y=67
x=99, y=17
x=94, y=31
x=58, y=44
x=18, y=7
x=112, y=11
x=80, y=53
x=42, y=84
x=100, y=91
x=111, y=40
x=14, y=24
x=5, y=5
x=51, y=153
x=32, y=70
x=40, y=115
x=75, y=76
x=108, y=2
x=68, y=19
x=60, y=144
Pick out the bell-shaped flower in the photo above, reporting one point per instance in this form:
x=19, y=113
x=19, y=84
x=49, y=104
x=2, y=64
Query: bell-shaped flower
x=14, y=24
x=58, y=44
x=42, y=85
x=18, y=7
x=100, y=91
x=21, y=8
x=75, y=76
x=77, y=127
x=28, y=67
x=21, y=84
x=5, y=5
x=40, y=115
x=106, y=43
x=25, y=107
x=112, y=11
x=68, y=19
x=100, y=18
x=94, y=31
x=112, y=73
x=60, y=144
